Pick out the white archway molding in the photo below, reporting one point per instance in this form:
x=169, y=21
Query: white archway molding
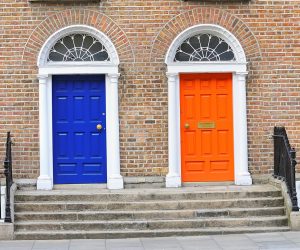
x=50, y=42
x=111, y=71
x=238, y=69
x=210, y=29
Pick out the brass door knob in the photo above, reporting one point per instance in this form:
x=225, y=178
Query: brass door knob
x=186, y=125
x=99, y=126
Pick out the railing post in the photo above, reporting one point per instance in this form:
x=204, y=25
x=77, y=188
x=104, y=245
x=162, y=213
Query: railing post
x=285, y=163
x=293, y=181
x=8, y=174
x=276, y=154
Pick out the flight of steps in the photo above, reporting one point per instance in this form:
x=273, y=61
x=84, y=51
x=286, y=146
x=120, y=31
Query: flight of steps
x=77, y=214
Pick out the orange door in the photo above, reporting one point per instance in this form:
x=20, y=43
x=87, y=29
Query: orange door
x=206, y=124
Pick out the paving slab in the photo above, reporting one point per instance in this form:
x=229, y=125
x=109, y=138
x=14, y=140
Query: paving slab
x=55, y=244
x=95, y=244
x=238, y=242
x=124, y=244
x=260, y=237
x=16, y=248
x=276, y=244
x=208, y=244
x=16, y=245
x=262, y=241
x=160, y=243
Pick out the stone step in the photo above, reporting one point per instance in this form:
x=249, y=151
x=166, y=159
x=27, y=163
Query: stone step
x=275, y=221
x=149, y=205
x=116, y=234
x=241, y=212
x=154, y=214
x=68, y=214
x=32, y=196
x=105, y=215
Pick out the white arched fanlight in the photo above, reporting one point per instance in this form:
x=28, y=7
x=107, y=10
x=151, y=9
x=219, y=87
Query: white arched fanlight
x=78, y=49
x=204, y=47
x=79, y=44
x=207, y=48
x=208, y=42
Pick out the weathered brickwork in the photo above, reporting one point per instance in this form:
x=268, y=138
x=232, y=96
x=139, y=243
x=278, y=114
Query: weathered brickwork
x=142, y=31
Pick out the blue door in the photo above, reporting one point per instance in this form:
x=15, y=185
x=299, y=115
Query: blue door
x=79, y=135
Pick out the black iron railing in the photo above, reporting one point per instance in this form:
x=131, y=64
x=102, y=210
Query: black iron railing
x=8, y=177
x=285, y=163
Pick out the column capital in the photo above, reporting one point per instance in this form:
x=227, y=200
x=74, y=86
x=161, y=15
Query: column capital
x=113, y=77
x=172, y=76
x=242, y=74
x=42, y=78
x=241, y=77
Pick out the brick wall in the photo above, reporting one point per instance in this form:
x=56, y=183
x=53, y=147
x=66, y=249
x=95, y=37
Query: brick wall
x=142, y=31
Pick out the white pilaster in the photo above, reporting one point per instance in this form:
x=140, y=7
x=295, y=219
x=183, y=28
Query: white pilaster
x=242, y=175
x=44, y=181
x=2, y=200
x=173, y=178
x=114, y=178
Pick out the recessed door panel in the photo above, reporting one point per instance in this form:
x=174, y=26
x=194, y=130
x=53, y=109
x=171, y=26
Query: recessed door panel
x=79, y=106
x=205, y=106
x=191, y=146
x=207, y=143
x=79, y=148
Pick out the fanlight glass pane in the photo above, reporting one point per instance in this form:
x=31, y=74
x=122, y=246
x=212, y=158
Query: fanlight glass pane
x=78, y=47
x=204, y=47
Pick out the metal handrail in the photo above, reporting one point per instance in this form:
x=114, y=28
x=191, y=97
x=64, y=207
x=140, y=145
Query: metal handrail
x=8, y=177
x=285, y=163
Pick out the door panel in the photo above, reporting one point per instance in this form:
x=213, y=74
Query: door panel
x=79, y=149
x=206, y=120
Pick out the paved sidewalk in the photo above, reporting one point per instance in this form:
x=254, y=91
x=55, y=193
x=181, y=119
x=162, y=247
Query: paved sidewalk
x=282, y=241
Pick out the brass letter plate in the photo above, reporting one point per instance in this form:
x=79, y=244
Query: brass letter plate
x=206, y=124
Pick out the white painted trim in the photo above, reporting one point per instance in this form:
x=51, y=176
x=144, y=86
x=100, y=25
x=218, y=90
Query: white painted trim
x=173, y=178
x=2, y=200
x=211, y=29
x=298, y=192
x=71, y=69
x=239, y=72
x=207, y=67
x=45, y=180
x=50, y=42
x=241, y=172
x=114, y=178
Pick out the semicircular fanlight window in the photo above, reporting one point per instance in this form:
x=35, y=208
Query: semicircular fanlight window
x=78, y=47
x=204, y=47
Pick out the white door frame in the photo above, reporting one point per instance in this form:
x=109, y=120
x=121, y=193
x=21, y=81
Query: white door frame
x=111, y=72
x=239, y=72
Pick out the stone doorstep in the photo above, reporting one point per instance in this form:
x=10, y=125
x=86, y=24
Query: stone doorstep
x=149, y=227
x=55, y=235
x=148, y=205
x=202, y=189
x=146, y=215
x=149, y=224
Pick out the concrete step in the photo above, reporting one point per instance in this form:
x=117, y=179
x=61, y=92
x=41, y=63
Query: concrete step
x=275, y=221
x=149, y=205
x=113, y=234
x=26, y=196
x=154, y=214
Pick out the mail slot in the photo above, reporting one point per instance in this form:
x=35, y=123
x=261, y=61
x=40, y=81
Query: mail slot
x=206, y=124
